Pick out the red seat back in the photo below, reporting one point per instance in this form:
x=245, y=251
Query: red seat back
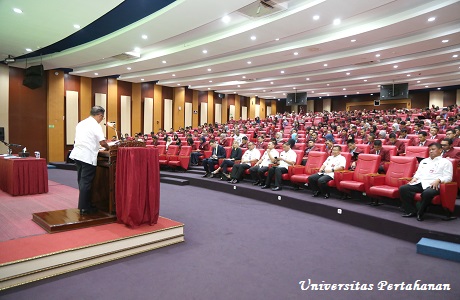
x=314, y=162
x=172, y=150
x=363, y=148
x=366, y=164
x=185, y=151
x=399, y=167
x=417, y=151
x=391, y=148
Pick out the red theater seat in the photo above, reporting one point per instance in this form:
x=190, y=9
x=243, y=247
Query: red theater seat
x=355, y=180
x=182, y=159
x=300, y=174
x=417, y=151
x=387, y=185
x=172, y=150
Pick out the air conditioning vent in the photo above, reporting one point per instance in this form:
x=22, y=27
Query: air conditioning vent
x=263, y=8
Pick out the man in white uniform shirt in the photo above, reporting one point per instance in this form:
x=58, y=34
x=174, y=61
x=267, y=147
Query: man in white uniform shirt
x=318, y=182
x=88, y=139
x=238, y=137
x=258, y=170
x=250, y=156
x=287, y=158
x=431, y=172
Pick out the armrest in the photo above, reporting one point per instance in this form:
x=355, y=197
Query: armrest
x=375, y=179
x=297, y=169
x=404, y=180
x=448, y=192
x=345, y=175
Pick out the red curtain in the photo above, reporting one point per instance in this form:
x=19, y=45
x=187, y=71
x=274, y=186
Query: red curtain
x=23, y=176
x=137, y=186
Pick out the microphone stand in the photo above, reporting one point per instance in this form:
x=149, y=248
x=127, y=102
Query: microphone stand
x=10, y=152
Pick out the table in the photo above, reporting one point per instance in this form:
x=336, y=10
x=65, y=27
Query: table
x=137, y=186
x=23, y=176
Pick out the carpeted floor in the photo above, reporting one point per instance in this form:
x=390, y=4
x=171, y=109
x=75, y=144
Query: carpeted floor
x=238, y=248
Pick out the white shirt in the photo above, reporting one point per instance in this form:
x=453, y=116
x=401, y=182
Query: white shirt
x=289, y=156
x=266, y=161
x=238, y=138
x=250, y=155
x=88, y=134
x=430, y=170
x=334, y=162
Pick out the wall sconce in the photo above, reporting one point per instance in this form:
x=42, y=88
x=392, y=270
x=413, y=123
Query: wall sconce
x=180, y=108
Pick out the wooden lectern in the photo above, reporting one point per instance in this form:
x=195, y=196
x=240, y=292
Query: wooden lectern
x=103, y=189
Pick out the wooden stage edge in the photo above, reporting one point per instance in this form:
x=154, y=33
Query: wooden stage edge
x=70, y=219
x=83, y=248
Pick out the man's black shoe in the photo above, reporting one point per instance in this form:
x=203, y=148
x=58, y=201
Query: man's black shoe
x=420, y=217
x=256, y=183
x=276, y=188
x=326, y=196
x=206, y=175
x=265, y=187
x=316, y=193
x=409, y=215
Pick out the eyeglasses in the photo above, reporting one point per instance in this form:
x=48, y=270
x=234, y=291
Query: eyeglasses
x=444, y=145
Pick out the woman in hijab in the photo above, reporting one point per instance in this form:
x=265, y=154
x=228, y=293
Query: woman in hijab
x=195, y=155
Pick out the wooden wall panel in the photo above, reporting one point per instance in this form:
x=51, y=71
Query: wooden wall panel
x=27, y=111
x=72, y=83
x=124, y=88
x=195, y=107
x=157, y=108
x=147, y=91
x=178, y=112
x=237, y=115
x=113, y=104
x=56, y=128
x=136, y=109
x=225, y=107
x=210, y=107
x=85, y=97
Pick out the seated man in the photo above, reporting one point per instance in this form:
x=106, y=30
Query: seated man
x=354, y=151
x=431, y=172
x=310, y=147
x=400, y=145
x=422, y=138
x=384, y=155
x=287, y=158
x=251, y=155
x=318, y=182
x=217, y=152
x=235, y=154
x=259, y=169
x=448, y=150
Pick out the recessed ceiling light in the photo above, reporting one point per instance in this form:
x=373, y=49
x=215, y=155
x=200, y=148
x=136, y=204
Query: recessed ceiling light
x=76, y=26
x=426, y=86
x=320, y=97
x=271, y=82
x=209, y=88
x=144, y=36
x=378, y=85
x=28, y=50
x=282, y=72
x=439, y=89
x=307, y=78
x=325, y=65
x=209, y=70
x=164, y=61
x=17, y=10
x=239, y=85
x=234, y=92
x=315, y=17
x=345, y=96
x=284, y=94
x=293, y=88
x=277, y=39
x=142, y=79
x=431, y=19
x=253, y=37
x=328, y=84
x=395, y=66
x=264, y=91
x=244, y=77
x=96, y=74
x=344, y=89
x=455, y=55
x=348, y=73
x=377, y=55
x=408, y=75
x=445, y=41
x=178, y=84
x=173, y=75
x=312, y=92
x=205, y=51
x=337, y=22
x=128, y=68
x=249, y=62
x=137, y=49
x=372, y=94
x=225, y=19
x=418, y=81
x=357, y=92
x=365, y=80
x=353, y=41
x=210, y=80
x=296, y=53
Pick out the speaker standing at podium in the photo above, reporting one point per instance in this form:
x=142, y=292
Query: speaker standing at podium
x=88, y=139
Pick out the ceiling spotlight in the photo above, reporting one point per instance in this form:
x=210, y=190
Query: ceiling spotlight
x=325, y=65
x=225, y=19
x=244, y=77
x=253, y=37
x=28, y=50
x=209, y=70
x=271, y=82
x=408, y=75
x=10, y=59
x=353, y=41
x=337, y=22
x=76, y=26
x=296, y=53
x=282, y=72
x=96, y=74
x=205, y=51
x=455, y=55
x=17, y=10
x=348, y=73
x=210, y=80
x=277, y=39
x=426, y=86
x=365, y=80
x=128, y=68
x=316, y=17
x=439, y=89
x=431, y=19
x=418, y=81
x=445, y=41
x=178, y=84
x=344, y=89
x=307, y=78
x=377, y=55
x=164, y=61
x=142, y=79
x=395, y=66
x=173, y=75
x=144, y=36
x=249, y=62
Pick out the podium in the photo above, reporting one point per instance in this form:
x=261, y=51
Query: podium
x=103, y=188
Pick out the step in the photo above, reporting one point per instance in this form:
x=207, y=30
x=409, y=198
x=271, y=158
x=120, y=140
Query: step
x=175, y=181
x=440, y=249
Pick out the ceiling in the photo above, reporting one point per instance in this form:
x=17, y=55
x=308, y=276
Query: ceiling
x=376, y=42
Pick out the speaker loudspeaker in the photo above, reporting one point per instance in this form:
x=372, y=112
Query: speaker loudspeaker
x=2, y=133
x=34, y=77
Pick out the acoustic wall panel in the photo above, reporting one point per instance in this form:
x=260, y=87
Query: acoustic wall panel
x=327, y=104
x=310, y=105
x=148, y=115
x=218, y=113
x=244, y=112
x=125, y=115
x=204, y=113
x=269, y=110
x=71, y=115
x=101, y=100
x=257, y=111
x=188, y=114
x=4, y=105
x=168, y=115
x=231, y=112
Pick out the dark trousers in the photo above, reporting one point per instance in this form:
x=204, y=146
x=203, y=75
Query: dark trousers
x=194, y=157
x=209, y=164
x=225, y=164
x=85, y=176
x=238, y=171
x=277, y=172
x=257, y=173
x=319, y=182
x=407, y=193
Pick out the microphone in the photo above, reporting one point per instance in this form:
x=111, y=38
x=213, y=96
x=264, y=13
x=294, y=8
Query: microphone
x=14, y=145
